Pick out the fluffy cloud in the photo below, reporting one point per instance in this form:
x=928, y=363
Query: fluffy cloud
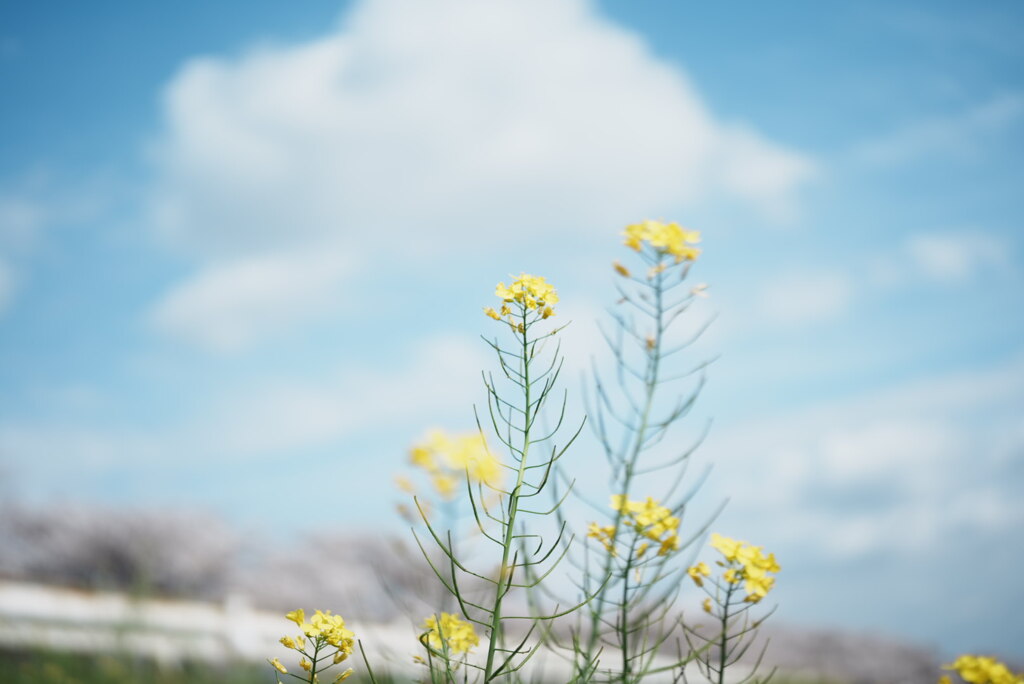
x=896, y=471
x=228, y=305
x=6, y=286
x=956, y=257
x=957, y=134
x=422, y=128
x=796, y=298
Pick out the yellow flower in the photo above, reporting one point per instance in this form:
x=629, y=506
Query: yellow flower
x=728, y=547
x=448, y=457
x=423, y=457
x=655, y=270
x=605, y=535
x=620, y=269
x=278, y=666
x=642, y=549
x=698, y=572
x=664, y=238
x=297, y=616
x=457, y=634
x=749, y=563
x=343, y=676
x=305, y=665
x=983, y=670
x=405, y=484
x=707, y=605
x=489, y=311
x=445, y=485
x=529, y=291
x=287, y=642
x=668, y=545
x=649, y=519
x=340, y=657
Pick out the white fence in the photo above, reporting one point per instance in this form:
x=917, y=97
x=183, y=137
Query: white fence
x=38, y=616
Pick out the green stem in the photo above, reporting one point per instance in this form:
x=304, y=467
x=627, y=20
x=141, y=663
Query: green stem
x=505, y=572
x=624, y=624
x=725, y=633
x=650, y=386
x=316, y=658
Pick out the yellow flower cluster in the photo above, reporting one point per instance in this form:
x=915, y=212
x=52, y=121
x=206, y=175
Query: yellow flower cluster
x=531, y=293
x=452, y=631
x=323, y=629
x=648, y=518
x=746, y=563
x=605, y=535
x=665, y=238
x=446, y=457
x=981, y=670
x=322, y=626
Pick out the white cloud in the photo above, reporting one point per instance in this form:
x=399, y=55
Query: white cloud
x=441, y=375
x=956, y=257
x=281, y=418
x=947, y=257
x=418, y=127
x=796, y=298
x=957, y=134
x=901, y=470
x=229, y=304
x=6, y=286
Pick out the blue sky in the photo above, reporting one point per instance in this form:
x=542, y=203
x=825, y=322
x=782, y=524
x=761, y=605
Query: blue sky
x=243, y=254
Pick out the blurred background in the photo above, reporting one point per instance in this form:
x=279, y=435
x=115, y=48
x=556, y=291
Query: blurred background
x=244, y=249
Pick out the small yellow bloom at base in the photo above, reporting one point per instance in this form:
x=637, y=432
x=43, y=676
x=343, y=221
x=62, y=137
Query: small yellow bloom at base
x=305, y=665
x=492, y=313
x=707, y=605
x=278, y=666
x=983, y=670
x=343, y=676
x=453, y=632
x=287, y=642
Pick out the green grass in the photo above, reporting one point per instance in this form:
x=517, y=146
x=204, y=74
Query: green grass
x=44, y=667
x=47, y=667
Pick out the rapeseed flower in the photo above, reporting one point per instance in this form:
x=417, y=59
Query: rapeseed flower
x=650, y=520
x=698, y=572
x=983, y=670
x=530, y=293
x=321, y=631
x=664, y=238
x=605, y=535
x=445, y=457
x=747, y=563
x=453, y=632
